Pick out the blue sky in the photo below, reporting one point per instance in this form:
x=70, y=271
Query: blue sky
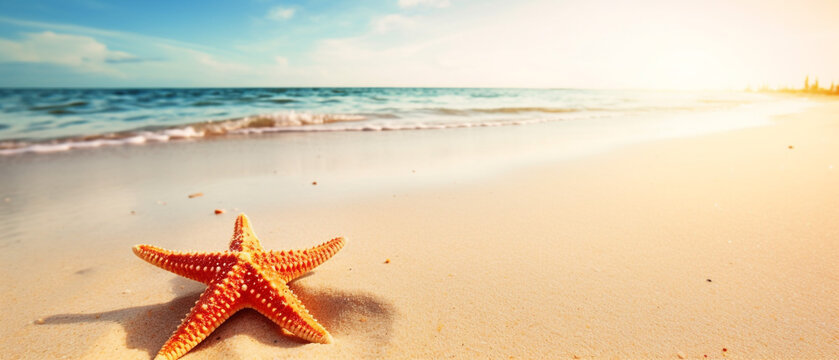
x=533, y=43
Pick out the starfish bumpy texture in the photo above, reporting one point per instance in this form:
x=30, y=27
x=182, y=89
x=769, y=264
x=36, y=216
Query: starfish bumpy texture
x=246, y=276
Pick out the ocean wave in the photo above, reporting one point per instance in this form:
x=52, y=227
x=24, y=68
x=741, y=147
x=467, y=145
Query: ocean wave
x=504, y=110
x=250, y=124
x=519, y=110
x=276, y=120
x=298, y=122
x=207, y=103
x=282, y=101
x=47, y=120
x=257, y=124
x=551, y=110
x=54, y=107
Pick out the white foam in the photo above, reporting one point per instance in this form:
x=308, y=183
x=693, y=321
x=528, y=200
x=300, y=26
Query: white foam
x=311, y=122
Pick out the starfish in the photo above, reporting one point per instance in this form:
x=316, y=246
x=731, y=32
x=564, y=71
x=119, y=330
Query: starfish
x=246, y=276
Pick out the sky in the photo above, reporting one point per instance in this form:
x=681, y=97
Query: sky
x=649, y=44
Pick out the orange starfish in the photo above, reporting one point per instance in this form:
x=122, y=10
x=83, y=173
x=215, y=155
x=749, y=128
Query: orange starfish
x=246, y=276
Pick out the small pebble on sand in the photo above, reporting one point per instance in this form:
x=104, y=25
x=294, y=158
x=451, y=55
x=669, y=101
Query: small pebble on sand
x=790, y=147
x=133, y=212
x=708, y=280
x=680, y=355
x=387, y=261
x=314, y=182
x=195, y=195
x=40, y=321
x=219, y=211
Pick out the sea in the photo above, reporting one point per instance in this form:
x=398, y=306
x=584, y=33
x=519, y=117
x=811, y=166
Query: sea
x=55, y=120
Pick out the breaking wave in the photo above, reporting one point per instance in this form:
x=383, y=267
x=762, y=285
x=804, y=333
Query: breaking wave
x=257, y=124
x=248, y=124
x=53, y=120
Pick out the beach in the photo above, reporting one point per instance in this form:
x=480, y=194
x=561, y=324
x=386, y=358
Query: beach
x=513, y=242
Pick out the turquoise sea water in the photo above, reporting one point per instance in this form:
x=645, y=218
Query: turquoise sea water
x=47, y=120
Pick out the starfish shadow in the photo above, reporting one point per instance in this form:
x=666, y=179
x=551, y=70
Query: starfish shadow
x=345, y=314
x=349, y=315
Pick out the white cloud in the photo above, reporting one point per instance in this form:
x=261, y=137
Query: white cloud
x=79, y=52
x=161, y=61
x=101, y=33
x=280, y=13
x=225, y=67
x=429, y=3
x=391, y=22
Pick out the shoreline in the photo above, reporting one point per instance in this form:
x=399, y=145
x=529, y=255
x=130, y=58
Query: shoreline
x=601, y=255
x=312, y=121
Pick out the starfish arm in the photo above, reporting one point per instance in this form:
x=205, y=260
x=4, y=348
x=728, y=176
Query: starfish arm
x=292, y=264
x=244, y=239
x=218, y=302
x=278, y=303
x=201, y=267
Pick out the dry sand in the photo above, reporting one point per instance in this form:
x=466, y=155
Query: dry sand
x=723, y=245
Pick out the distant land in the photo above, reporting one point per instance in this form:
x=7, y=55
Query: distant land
x=808, y=88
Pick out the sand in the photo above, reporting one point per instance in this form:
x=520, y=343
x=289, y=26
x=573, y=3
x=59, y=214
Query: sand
x=721, y=245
